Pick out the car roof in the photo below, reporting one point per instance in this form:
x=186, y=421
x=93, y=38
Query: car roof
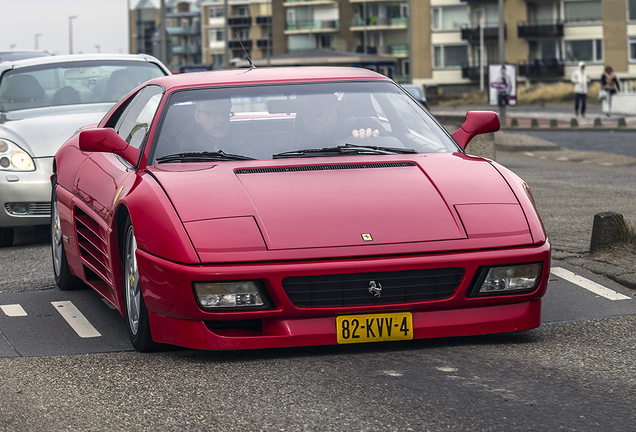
x=22, y=54
x=276, y=75
x=36, y=61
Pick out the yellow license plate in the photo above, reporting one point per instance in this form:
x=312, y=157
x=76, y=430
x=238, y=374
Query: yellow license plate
x=374, y=327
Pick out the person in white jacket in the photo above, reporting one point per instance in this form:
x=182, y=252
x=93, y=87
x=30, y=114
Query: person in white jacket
x=580, y=78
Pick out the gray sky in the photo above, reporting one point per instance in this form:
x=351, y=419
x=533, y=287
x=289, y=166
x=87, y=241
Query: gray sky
x=98, y=22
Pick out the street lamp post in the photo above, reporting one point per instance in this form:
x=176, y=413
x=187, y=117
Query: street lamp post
x=37, y=36
x=70, y=33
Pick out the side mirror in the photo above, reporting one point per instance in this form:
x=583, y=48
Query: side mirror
x=477, y=122
x=106, y=140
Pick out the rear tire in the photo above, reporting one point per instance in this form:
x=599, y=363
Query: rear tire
x=64, y=279
x=137, y=320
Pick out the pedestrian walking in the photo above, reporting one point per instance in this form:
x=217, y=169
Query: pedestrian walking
x=609, y=83
x=580, y=78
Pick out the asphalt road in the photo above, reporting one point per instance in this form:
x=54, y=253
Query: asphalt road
x=577, y=372
x=621, y=143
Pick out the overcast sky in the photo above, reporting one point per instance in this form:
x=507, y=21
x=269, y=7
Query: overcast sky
x=98, y=22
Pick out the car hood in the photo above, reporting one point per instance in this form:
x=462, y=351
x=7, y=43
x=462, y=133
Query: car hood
x=328, y=203
x=41, y=132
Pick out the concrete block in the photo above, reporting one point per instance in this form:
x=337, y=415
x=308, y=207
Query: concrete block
x=483, y=145
x=622, y=122
x=606, y=230
x=553, y=123
x=574, y=122
x=598, y=122
x=514, y=122
x=534, y=123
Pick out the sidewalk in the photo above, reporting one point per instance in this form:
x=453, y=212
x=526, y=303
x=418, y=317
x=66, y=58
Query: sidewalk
x=550, y=116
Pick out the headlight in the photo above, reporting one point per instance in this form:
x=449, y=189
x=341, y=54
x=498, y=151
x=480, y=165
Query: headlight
x=513, y=279
x=241, y=294
x=13, y=158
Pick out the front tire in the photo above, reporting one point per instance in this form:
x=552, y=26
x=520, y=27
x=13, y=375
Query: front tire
x=64, y=279
x=137, y=319
x=6, y=237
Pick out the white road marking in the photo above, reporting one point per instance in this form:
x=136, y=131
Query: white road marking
x=75, y=319
x=588, y=284
x=13, y=310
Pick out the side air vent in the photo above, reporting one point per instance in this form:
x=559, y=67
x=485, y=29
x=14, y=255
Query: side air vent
x=91, y=240
x=328, y=167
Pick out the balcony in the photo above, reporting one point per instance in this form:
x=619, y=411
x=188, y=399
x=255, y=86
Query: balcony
x=544, y=69
x=264, y=43
x=471, y=33
x=263, y=20
x=308, y=2
x=234, y=44
x=540, y=30
x=308, y=25
x=239, y=21
x=399, y=50
x=384, y=23
x=183, y=30
x=188, y=49
x=472, y=72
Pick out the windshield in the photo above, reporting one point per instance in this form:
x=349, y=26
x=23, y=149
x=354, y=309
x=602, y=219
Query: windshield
x=296, y=120
x=72, y=83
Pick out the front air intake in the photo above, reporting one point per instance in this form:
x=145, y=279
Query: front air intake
x=327, y=167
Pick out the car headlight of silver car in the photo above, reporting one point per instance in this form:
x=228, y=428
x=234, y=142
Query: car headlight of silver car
x=234, y=294
x=504, y=280
x=13, y=158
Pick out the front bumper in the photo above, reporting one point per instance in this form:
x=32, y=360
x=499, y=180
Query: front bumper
x=176, y=318
x=32, y=188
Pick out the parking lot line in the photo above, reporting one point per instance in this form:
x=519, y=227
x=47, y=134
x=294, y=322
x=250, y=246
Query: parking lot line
x=588, y=284
x=75, y=319
x=13, y=310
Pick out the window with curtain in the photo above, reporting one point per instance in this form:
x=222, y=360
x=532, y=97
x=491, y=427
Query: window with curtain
x=449, y=17
x=450, y=55
x=582, y=11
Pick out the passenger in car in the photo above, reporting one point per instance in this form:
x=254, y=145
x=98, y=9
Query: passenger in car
x=321, y=123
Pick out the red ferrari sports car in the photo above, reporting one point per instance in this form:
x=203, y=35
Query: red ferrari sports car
x=281, y=207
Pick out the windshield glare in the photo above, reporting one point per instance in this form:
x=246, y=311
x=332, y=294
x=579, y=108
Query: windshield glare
x=72, y=83
x=263, y=121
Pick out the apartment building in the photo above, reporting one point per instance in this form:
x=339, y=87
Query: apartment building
x=434, y=43
x=544, y=38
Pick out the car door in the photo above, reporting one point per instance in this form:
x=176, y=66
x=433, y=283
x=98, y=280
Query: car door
x=103, y=177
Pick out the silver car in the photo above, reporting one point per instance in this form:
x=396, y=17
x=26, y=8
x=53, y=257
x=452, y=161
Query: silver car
x=43, y=101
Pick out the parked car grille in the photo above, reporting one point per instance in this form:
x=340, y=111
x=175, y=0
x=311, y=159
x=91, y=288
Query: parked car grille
x=28, y=209
x=357, y=289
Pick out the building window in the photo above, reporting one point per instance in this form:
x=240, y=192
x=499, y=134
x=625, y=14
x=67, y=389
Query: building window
x=631, y=6
x=217, y=35
x=449, y=17
x=582, y=11
x=450, y=55
x=632, y=49
x=584, y=50
x=216, y=12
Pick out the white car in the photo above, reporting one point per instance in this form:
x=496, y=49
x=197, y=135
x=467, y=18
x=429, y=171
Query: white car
x=43, y=101
x=417, y=92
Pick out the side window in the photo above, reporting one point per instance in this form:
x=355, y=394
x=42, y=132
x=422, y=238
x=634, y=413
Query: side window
x=134, y=124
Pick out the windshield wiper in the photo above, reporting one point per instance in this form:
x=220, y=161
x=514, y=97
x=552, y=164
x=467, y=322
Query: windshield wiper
x=344, y=150
x=202, y=157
